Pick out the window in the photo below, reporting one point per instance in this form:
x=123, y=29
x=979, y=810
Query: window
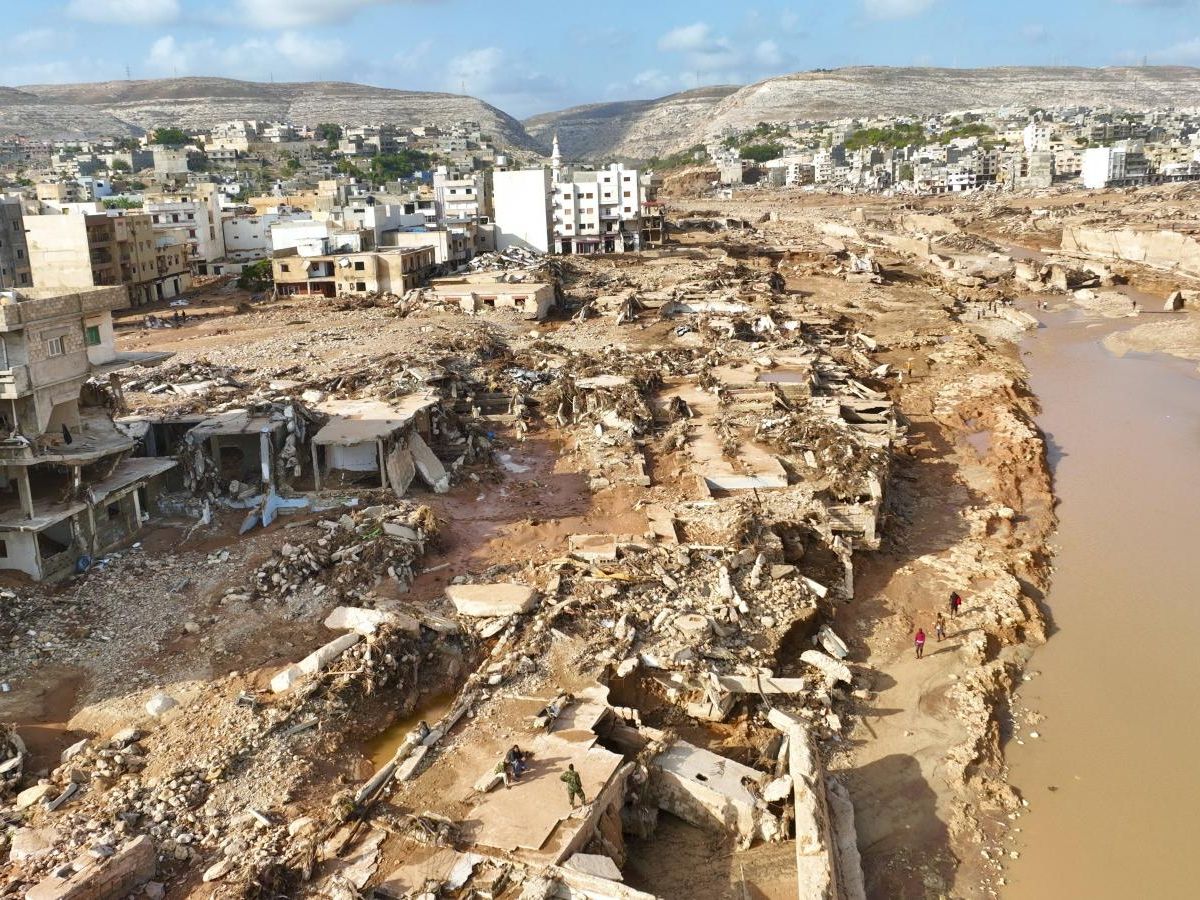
x=625, y=194
x=361, y=286
x=567, y=227
x=284, y=268
x=3, y=549
x=91, y=335
x=113, y=511
x=55, y=347
x=359, y=265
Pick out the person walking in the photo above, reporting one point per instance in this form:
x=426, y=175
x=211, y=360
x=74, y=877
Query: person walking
x=955, y=603
x=939, y=627
x=920, y=642
x=574, y=785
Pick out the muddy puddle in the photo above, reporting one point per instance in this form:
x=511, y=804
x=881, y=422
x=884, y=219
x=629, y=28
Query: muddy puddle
x=1111, y=778
x=381, y=748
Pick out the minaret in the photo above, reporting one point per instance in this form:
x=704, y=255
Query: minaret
x=555, y=161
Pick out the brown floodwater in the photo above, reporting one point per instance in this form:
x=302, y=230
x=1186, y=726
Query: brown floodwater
x=1112, y=780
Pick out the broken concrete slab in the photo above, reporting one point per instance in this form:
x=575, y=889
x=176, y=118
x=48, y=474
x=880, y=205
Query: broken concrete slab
x=705, y=789
x=356, y=618
x=429, y=467
x=491, y=600
x=833, y=670
x=763, y=684
x=593, y=547
x=595, y=864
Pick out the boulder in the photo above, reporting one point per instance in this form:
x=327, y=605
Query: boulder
x=160, y=704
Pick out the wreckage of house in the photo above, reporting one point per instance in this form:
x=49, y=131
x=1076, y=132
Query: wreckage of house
x=374, y=444
x=481, y=292
x=69, y=489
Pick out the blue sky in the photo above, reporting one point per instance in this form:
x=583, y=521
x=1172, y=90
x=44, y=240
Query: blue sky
x=528, y=57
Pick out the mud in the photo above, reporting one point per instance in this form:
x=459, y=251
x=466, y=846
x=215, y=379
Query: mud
x=1111, y=778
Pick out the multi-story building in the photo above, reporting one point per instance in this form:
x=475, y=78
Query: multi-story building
x=248, y=237
x=584, y=211
x=193, y=217
x=69, y=489
x=14, y=250
x=332, y=274
x=524, y=203
x=80, y=250
x=1123, y=163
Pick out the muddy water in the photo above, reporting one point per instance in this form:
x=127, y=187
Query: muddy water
x=1112, y=781
x=383, y=746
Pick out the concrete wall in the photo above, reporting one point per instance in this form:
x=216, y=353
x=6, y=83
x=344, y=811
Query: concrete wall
x=1169, y=250
x=58, y=251
x=522, y=199
x=19, y=552
x=106, y=350
x=108, y=879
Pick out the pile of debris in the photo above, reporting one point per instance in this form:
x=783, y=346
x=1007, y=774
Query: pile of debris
x=349, y=555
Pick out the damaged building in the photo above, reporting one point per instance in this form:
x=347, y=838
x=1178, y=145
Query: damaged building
x=70, y=489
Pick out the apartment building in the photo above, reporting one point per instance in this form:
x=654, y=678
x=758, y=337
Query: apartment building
x=334, y=274
x=524, y=204
x=1121, y=164
x=68, y=487
x=193, y=218
x=14, y=250
x=76, y=250
x=248, y=236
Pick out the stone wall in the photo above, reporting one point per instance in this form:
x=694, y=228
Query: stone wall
x=1169, y=250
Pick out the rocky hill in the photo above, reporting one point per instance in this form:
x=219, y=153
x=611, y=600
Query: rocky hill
x=131, y=107
x=647, y=128
x=629, y=128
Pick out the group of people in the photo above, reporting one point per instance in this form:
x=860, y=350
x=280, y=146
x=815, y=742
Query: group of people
x=516, y=763
x=939, y=625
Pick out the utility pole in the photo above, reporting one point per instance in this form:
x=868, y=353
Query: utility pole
x=128, y=77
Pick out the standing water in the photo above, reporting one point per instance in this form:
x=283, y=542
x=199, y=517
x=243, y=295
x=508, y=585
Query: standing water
x=1112, y=780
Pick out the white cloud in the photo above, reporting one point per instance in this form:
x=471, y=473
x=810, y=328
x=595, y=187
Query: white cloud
x=652, y=82
x=1182, y=52
x=767, y=53
x=710, y=58
x=896, y=9
x=298, y=13
x=125, y=12
x=36, y=40
x=687, y=38
x=255, y=59
x=503, y=80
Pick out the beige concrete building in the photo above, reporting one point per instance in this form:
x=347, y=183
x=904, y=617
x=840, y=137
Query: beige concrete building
x=482, y=292
x=82, y=250
x=387, y=271
x=67, y=487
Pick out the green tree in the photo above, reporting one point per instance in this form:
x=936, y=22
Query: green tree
x=906, y=172
x=762, y=152
x=291, y=166
x=329, y=133
x=119, y=165
x=170, y=137
x=256, y=276
x=122, y=203
x=346, y=167
x=394, y=166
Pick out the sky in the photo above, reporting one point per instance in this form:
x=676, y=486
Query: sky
x=529, y=57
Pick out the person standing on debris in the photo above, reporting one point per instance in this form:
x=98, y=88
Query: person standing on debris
x=920, y=642
x=955, y=603
x=939, y=628
x=574, y=785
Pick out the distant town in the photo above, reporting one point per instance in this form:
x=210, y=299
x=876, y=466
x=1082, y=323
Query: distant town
x=252, y=194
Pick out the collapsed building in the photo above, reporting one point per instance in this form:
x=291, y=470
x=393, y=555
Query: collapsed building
x=70, y=488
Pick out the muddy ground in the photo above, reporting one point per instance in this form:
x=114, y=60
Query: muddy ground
x=969, y=509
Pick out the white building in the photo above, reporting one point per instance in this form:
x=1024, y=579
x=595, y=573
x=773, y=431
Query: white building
x=194, y=218
x=523, y=201
x=248, y=237
x=598, y=211
x=1123, y=162
x=1037, y=137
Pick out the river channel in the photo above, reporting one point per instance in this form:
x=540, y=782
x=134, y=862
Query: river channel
x=1113, y=778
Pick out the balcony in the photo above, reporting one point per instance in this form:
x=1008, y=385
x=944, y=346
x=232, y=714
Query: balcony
x=15, y=383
